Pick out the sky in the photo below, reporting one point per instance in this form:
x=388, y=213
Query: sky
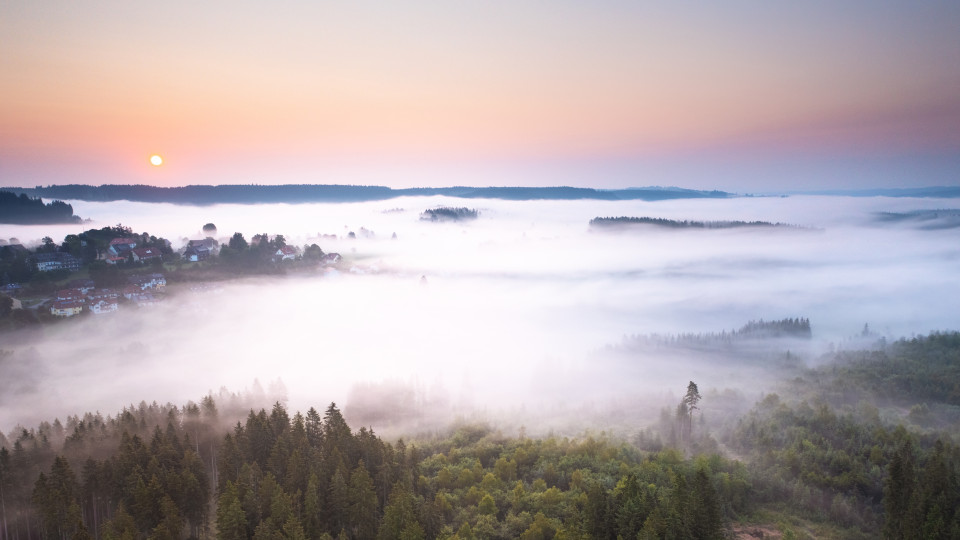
x=740, y=96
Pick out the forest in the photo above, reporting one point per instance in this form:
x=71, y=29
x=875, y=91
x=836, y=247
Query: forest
x=862, y=446
x=624, y=221
x=446, y=213
x=22, y=209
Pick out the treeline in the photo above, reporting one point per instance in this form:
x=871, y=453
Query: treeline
x=839, y=445
x=446, y=213
x=624, y=221
x=925, y=219
x=163, y=472
x=25, y=210
x=791, y=327
x=919, y=370
x=850, y=469
x=304, y=193
x=819, y=458
x=149, y=470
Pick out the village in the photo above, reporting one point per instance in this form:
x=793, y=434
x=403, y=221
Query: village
x=130, y=270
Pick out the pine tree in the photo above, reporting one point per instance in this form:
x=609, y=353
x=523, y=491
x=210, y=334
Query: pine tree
x=706, y=521
x=56, y=498
x=231, y=520
x=362, y=509
x=337, y=498
x=311, y=508
x=898, y=493
x=400, y=515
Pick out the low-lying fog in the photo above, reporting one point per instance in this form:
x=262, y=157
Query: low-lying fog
x=514, y=310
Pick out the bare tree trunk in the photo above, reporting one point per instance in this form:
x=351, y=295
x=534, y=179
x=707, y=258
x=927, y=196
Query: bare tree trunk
x=3, y=514
x=213, y=461
x=96, y=526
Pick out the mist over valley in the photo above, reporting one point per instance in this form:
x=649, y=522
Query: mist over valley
x=507, y=315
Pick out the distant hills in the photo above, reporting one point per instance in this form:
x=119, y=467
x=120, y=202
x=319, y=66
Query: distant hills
x=304, y=193
x=945, y=192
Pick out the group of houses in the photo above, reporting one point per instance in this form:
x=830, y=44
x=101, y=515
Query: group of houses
x=124, y=249
x=82, y=294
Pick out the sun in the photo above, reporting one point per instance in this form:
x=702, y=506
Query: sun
x=156, y=160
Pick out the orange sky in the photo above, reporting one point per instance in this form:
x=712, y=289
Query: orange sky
x=237, y=92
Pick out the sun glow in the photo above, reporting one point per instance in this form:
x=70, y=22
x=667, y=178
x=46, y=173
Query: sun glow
x=156, y=160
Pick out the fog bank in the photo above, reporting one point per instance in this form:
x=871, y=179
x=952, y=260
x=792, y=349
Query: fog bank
x=510, y=311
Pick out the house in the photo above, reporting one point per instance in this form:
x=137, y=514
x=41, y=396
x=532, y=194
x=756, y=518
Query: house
x=71, y=295
x=66, y=308
x=46, y=262
x=114, y=260
x=101, y=294
x=146, y=254
x=130, y=291
x=286, y=253
x=196, y=253
x=331, y=258
x=120, y=247
x=152, y=281
x=158, y=281
x=105, y=305
x=207, y=242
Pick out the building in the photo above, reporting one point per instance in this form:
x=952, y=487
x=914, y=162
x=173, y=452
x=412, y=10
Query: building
x=146, y=254
x=71, y=295
x=46, y=262
x=196, y=253
x=286, y=253
x=120, y=247
x=151, y=281
x=101, y=294
x=66, y=308
x=104, y=305
x=207, y=242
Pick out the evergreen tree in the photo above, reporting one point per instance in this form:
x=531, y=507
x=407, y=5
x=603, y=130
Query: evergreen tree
x=706, y=522
x=121, y=527
x=231, y=520
x=362, y=508
x=898, y=494
x=312, y=525
x=400, y=515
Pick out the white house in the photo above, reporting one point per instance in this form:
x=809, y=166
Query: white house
x=286, y=253
x=105, y=305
